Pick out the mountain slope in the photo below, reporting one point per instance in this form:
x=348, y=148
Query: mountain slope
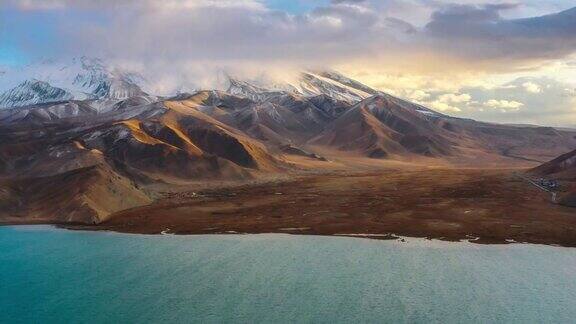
x=87, y=195
x=216, y=138
x=379, y=127
x=562, y=167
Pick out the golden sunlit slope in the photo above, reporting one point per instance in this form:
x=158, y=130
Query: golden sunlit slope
x=217, y=138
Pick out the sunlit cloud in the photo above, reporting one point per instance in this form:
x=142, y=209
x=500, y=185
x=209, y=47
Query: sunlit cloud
x=532, y=87
x=504, y=105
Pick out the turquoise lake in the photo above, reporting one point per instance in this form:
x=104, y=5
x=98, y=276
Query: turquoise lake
x=49, y=275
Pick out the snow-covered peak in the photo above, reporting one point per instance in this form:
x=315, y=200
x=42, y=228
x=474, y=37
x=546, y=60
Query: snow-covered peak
x=80, y=78
x=254, y=90
x=31, y=92
x=309, y=84
x=333, y=85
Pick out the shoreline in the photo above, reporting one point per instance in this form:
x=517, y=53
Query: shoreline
x=373, y=237
x=367, y=236
x=392, y=238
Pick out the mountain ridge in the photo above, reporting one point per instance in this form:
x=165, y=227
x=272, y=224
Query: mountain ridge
x=323, y=121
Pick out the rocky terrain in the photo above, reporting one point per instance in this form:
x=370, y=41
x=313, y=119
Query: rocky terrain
x=82, y=147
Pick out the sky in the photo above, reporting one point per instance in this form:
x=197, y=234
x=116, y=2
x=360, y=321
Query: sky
x=505, y=61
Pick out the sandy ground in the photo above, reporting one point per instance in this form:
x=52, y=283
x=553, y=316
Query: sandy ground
x=485, y=205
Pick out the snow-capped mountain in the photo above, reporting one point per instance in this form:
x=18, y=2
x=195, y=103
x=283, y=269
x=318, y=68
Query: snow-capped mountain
x=309, y=84
x=79, y=79
x=253, y=90
x=91, y=78
x=333, y=85
x=31, y=92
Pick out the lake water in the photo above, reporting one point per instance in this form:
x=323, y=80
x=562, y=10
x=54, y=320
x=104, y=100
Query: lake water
x=57, y=276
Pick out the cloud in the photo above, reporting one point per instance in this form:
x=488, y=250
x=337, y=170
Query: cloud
x=129, y=4
x=455, y=98
x=418, y=95
x=448, y=102
x=221, y=34
x=348, y=1
x=553, y=105
x=503, y=105
x=532, y=87
x=465, y=37
x=443, y=55
x=480, y=33
x=444, y=107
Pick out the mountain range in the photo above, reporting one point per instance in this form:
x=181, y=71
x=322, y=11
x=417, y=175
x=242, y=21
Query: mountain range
x=83, y=141
x=81, y=78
